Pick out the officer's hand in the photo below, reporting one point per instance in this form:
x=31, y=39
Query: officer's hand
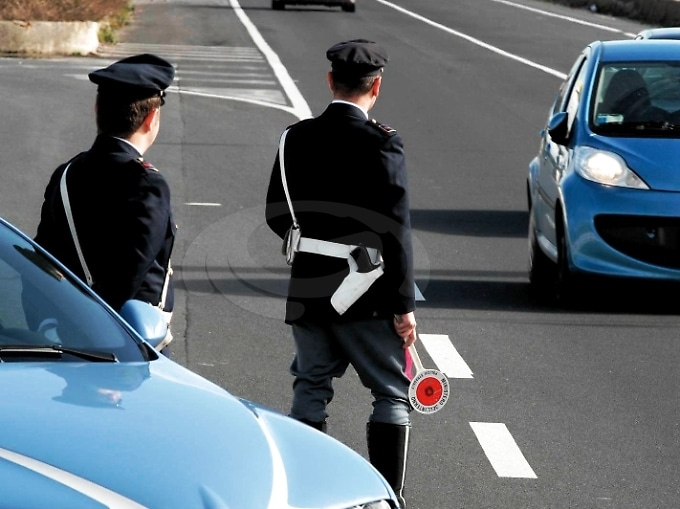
x=405, y=325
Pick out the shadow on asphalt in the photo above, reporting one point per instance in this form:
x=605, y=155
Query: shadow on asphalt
x=475, y=223
x=594, y=296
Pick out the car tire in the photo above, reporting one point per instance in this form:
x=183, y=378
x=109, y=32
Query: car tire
x=542, y=270
x=349, y=7
x=278, y=5
x=565, y=282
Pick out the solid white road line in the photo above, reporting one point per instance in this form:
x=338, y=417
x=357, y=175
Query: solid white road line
x=445, y=355
x=502, y=450
x=300, y=107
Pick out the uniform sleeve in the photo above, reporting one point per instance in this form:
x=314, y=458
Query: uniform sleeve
x=45, y=230
x=277, y=212
x=397, y=243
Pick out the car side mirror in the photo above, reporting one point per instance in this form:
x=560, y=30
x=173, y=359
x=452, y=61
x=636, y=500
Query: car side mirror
x=558, y=128
x=146, y=319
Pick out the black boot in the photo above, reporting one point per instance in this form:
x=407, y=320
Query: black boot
x=388, y=451
x=320, y=425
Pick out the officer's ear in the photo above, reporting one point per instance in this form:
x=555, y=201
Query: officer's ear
x=153, y=116
x=329, y=80
x=375, y=88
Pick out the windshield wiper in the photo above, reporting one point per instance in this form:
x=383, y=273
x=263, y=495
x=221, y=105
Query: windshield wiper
x=56, y=351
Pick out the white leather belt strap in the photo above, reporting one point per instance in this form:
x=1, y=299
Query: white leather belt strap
x=72, y=226
x=334, y=249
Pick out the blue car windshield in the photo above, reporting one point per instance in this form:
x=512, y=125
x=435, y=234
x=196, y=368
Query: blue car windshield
x=640, y=99
x=42, y=306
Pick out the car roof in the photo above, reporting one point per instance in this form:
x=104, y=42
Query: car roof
x=659, y=33
x=631, y=49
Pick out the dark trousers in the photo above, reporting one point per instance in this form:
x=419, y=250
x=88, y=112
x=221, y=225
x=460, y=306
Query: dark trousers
x=325, y=350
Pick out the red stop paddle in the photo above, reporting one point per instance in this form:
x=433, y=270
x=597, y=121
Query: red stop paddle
x=429, y=389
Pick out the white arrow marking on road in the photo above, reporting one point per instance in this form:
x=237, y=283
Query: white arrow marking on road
x=502, y=450
x=445, y=355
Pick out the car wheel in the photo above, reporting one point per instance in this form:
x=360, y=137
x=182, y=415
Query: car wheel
x=542, y=271
x=349, y=7
x=278, y=5
x=566, y=282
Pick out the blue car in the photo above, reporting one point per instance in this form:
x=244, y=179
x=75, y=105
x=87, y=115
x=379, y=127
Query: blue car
x=659, y=33
x=604, y=189
x=92, y=417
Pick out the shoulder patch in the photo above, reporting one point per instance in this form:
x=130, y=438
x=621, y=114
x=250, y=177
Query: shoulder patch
x=383, y=127
x=146, y=164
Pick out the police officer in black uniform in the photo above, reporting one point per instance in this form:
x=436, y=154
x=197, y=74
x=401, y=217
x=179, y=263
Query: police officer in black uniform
x=346, y=176
x=119, y=202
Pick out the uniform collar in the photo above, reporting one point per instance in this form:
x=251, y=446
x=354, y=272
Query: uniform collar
x=129, y=143
x=340, y=101
x=106, y=143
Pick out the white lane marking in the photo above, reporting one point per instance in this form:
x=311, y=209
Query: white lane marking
x=236, y=97
x=203, y=204
x=494, y=49
x=195, y=53
x=300, y=107
x=108, y=498
x=502, y=450
x=445, y=355
x=566, y=18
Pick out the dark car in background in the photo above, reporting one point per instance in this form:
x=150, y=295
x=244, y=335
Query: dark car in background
x=345, y=5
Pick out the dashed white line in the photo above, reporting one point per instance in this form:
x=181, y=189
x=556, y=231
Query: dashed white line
x=502, y=450
x=445, y=355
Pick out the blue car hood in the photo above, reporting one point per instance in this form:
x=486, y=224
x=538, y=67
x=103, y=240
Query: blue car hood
x=655, y=160
x=159, y=436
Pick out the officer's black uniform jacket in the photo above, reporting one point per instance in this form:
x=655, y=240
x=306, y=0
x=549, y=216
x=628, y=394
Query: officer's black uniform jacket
x=121, y=210
x=347, y=180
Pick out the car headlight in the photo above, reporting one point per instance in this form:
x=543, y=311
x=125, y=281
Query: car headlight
x=605, y=168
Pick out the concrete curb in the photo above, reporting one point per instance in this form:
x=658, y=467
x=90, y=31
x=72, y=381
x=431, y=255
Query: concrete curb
x=49, y=38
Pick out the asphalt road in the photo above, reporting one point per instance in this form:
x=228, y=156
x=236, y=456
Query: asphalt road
x=549, y=408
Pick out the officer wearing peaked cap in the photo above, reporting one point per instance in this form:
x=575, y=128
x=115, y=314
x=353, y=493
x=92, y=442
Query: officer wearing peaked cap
x=119, y=202
x=346, y=178
x=358, y=58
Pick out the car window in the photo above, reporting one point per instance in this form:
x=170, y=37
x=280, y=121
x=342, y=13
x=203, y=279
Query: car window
x=567, y=85
x=637, y=97
x=575, y=95
x=41, y=305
